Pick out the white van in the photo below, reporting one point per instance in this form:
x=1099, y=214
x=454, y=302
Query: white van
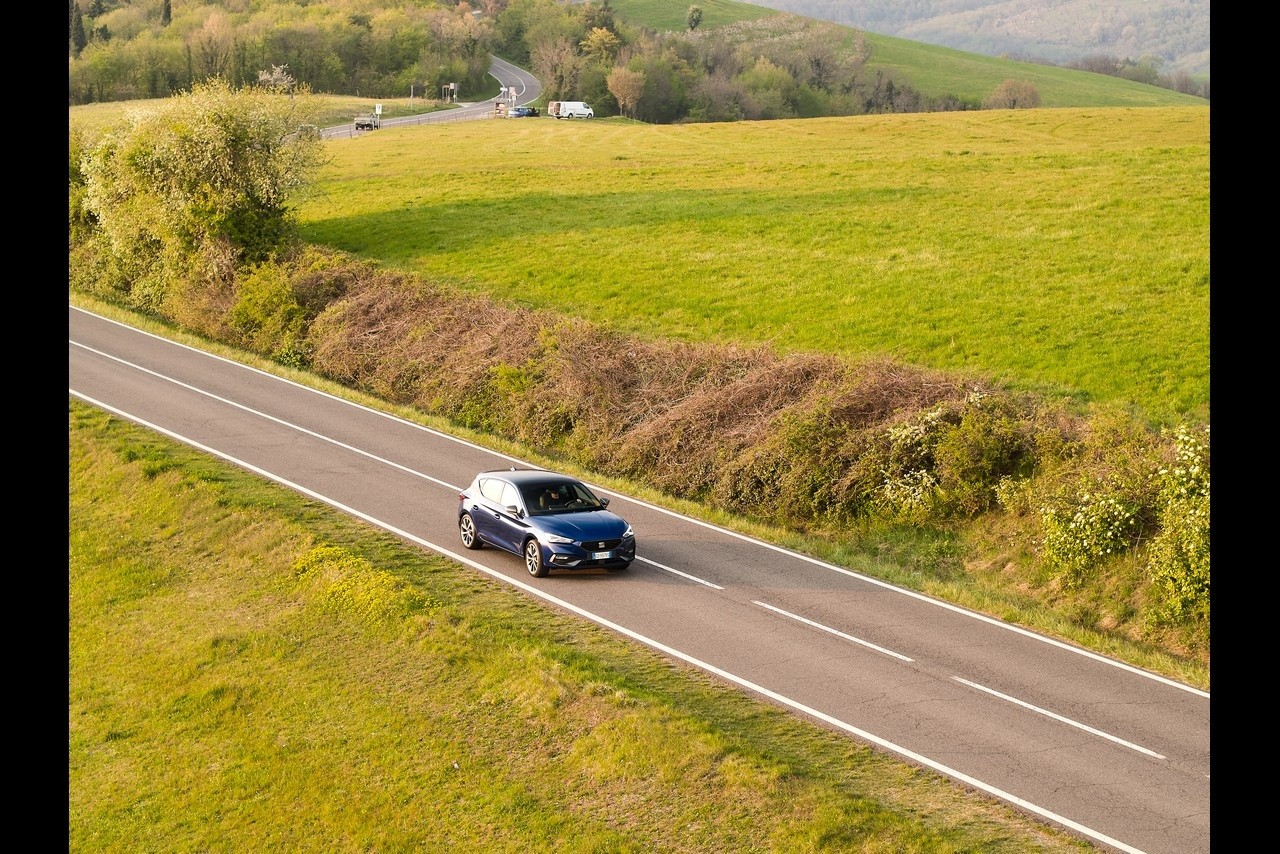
x=570, y=110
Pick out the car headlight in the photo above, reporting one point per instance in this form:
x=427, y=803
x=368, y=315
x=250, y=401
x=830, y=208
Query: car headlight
x=556, y=538
x=628, y=533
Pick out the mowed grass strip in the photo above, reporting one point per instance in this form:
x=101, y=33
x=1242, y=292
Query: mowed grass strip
x=250, y=671
x=1057, y=250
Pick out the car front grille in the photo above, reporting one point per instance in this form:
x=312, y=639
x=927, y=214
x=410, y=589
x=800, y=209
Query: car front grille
x=600, y=545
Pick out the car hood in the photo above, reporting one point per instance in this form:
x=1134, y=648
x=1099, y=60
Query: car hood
x=584, y=525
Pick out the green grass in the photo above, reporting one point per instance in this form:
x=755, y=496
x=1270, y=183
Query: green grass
x=333, y=110
x=250, y=671
x=673, y=15
x=1064, y=251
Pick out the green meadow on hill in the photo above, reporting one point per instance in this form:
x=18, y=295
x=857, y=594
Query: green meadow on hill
x=1057, y=250
x=933, y=70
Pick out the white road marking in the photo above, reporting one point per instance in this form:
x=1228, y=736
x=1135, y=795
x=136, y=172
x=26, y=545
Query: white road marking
x=1056, y=717
x=666, y=568
x=836, y=632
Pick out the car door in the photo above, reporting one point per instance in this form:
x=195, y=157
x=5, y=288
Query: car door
x=486, y=511
x=509, y=527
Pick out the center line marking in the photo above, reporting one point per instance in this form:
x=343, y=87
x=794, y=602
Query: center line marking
x=1066, y=721
x=835, y=632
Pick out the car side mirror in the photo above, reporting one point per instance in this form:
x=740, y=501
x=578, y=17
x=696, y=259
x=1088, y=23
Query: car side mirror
x=514, y=511
x=604, y=501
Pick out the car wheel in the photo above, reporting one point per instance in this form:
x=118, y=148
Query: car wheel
x=467, y=529
x=533, y=559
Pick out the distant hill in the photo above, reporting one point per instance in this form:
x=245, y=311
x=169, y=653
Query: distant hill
x=934, y=70
x=1175, y=32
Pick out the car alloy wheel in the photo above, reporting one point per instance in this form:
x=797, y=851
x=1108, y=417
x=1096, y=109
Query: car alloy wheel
x=533, y=559
x=467, y=529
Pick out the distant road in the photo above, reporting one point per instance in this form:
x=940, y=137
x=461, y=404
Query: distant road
x=526, y=87
x=1110, y=752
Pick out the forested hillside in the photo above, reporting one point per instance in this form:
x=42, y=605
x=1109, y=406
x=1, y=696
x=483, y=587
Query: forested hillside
x=1172, y=34
x=655, y=63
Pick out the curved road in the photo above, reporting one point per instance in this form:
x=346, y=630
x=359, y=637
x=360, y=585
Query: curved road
x=1114, y=754
x=512, y=78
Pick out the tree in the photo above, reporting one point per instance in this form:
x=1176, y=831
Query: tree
x=600, y=44
x=770, y=89
x=626, y=86
x=1012, y=95
x=211, y=46
x=78, y=37
x=556, y=62
x=277, y=78
x=166, y=13
x=194, y=189
x=694, y=17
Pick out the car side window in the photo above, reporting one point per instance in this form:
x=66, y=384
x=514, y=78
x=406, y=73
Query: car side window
x=582, y=497
x=491, y=488
x=510, y=496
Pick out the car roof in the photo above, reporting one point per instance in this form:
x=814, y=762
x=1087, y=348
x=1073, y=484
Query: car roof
x=524, y=476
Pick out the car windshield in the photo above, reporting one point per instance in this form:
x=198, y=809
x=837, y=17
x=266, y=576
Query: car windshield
x=550, y=498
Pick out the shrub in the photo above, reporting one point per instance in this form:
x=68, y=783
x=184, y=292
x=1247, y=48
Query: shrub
x=1012, y=95
x=1077, y=537
x=267, y=317
x=1100, y=497
x=1179, y=563
x=1178, y=559
x=80, y=219
x=988, y=444
x=213, y=166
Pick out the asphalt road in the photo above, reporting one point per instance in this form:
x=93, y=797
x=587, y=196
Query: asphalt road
x=521, y=87
x=1117, y=755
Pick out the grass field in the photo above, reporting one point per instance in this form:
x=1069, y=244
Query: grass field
x=1064, y=251
x=249, y=671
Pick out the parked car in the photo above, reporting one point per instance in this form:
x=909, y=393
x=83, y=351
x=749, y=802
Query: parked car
x=522, y=112
x=551, y=520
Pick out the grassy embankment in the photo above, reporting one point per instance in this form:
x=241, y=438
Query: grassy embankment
x=228, y=691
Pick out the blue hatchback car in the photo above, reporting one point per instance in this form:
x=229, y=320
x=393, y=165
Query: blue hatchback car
x=552, y=520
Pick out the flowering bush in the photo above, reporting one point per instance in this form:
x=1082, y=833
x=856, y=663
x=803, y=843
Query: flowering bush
x=908, y=496
x=1179, y=556
x=1076, y=538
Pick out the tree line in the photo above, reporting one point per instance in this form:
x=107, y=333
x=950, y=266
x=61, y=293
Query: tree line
x=1145, y=70
x=782, y=66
